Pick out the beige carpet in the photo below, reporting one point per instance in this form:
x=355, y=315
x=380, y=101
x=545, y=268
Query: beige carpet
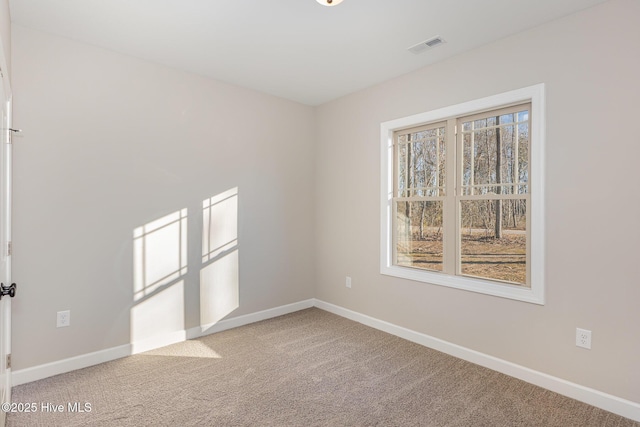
x=309, y=368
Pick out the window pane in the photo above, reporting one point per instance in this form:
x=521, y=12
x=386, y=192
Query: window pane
x=494, y=252
x=441, y=162
x=523, y=116
x=483, y=156
x=506, y=118
x=495, y=158
x=419, y=235
x=421, y=164
x=479, y=124
x=523, y=152
x=402, y=170
x=467, y=170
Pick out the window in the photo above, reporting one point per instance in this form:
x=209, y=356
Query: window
x=462, y=196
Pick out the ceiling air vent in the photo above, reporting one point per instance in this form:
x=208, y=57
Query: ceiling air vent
x=427, y=44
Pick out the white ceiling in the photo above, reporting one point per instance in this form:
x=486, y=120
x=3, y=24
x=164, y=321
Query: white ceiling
x=295, y=49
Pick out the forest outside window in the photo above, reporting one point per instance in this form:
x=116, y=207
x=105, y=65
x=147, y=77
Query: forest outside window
x=462, y=196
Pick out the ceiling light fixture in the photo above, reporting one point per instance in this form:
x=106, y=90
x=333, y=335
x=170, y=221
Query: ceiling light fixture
x=329, y=2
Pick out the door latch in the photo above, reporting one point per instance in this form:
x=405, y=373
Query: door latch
x=7, y=290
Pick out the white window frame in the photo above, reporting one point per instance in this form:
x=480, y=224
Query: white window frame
x=533, y=294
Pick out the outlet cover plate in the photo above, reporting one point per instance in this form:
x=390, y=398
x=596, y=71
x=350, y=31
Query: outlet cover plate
x=63, y=319
x=583, y=338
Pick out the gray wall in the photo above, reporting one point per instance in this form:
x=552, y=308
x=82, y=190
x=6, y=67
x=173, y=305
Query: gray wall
x=590, y=65
x=111, y=143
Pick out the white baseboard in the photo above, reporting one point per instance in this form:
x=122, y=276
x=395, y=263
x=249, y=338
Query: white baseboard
x=23, y=376
x=235, y=322
x=608, y=402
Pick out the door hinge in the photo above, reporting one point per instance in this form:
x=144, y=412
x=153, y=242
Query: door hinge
x=9, y=248
x=9, y=361
x=12, y=132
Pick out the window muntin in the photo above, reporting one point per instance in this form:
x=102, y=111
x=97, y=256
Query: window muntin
x=494, y=194
x=420, y=177
x=486, y=172
x=519, y=186
x=421, y=162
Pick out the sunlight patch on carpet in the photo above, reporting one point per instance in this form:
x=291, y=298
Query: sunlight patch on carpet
x=186, y=349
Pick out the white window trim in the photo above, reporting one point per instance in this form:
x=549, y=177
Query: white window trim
x=535, y=294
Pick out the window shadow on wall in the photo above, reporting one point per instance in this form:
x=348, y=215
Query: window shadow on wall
x=159, y=267
x=219, y=276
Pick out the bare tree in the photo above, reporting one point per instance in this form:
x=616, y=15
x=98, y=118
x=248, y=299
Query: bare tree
x=498, y=223
x=408, y=185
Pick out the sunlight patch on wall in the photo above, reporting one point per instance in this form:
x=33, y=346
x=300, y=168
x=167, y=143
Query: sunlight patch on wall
x=159, y=253
x=219, y=224
x=158, y=314
x=219, y=278
x=159, y=266
x=219, y=294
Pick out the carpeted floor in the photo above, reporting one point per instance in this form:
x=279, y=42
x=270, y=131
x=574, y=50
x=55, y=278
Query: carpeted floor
x=309, y=368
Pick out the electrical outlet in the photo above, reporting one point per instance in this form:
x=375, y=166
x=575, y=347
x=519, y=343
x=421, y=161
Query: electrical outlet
x=63, y=319
x=583, y=338
x=348, y=282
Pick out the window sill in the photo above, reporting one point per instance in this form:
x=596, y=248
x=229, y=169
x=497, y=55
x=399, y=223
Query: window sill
x=487, y=287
